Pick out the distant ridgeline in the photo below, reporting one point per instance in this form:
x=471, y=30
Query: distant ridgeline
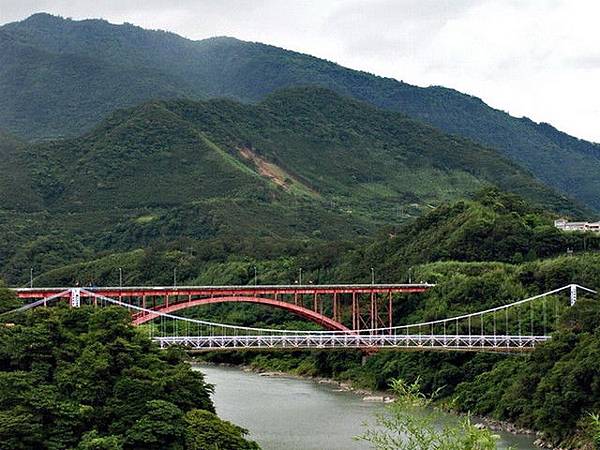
x=72, y=74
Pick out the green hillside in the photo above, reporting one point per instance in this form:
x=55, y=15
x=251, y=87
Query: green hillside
x=305, y=143
x=493, y=229
x=59, y=77
x=15, y=180
x=305, y=164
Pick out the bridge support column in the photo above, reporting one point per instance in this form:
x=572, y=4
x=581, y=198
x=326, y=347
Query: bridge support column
x=366, y=354
x=355, y=323
x=75, y=297
x=390, y=310
x=373, y=310
x=335, y=309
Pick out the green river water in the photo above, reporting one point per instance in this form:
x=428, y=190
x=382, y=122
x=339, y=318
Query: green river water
x=293, y=414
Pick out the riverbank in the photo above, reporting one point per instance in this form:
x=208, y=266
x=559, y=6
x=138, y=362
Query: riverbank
x=382, y=397
x=301, y=413
x=452, y=375
x=340, y=386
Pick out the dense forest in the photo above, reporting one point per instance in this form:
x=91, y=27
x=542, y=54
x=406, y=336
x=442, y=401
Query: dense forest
x=305, y=163
x=86, y=379
x=483, y=252
x=71, y=74
x=492, y=226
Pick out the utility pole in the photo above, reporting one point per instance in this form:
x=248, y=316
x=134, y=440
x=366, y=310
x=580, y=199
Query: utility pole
x=372, y=276
x=300, y=277
x=174, y=276
x=255, y=276
x=31, y=277
x=120, y=277
x=410, y=275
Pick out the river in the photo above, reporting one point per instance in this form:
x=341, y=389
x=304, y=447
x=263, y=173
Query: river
x=292, y=414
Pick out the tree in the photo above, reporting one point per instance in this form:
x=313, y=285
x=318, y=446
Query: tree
x=8, y=300
x=84, y=378
x=160, y=428
x=205, y=431
x=94, y=441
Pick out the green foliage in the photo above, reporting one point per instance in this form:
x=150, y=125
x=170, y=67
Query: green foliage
x=92, y=440
x=296, y=142
x=510, y=233
x=205, y=431
x=160, y=427
x=86, y=379
x=410, y=424
x=595, y=429
x=8, y=299
x=494, y=226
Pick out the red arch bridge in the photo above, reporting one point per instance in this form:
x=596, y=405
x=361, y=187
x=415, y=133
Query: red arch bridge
x=354, y=316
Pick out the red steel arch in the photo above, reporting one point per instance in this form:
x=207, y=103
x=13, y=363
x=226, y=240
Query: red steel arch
x=306, y=313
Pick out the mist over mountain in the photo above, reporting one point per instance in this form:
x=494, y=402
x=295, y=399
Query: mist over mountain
x=59, y=77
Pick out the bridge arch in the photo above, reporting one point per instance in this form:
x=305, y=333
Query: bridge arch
x=301, y=311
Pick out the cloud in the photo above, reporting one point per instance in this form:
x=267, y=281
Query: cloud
x=537, y=58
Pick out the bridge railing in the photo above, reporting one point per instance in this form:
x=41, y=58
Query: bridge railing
x=418, y=341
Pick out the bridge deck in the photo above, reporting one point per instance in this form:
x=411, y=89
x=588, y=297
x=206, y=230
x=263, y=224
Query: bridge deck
x=141, y=291
x=324, y=341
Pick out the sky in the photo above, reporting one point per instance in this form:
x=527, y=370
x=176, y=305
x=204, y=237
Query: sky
x=534, y=58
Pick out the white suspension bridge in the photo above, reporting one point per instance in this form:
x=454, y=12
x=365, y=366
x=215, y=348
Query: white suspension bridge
x=517, y=326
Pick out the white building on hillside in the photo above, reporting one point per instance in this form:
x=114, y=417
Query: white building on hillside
x=562, y=224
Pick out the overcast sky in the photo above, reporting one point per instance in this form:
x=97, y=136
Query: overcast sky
x=538, y=58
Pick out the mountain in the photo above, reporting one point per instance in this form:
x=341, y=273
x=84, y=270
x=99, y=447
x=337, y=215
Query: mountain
x=303, y=163
x=60, y=77
x=491, y=226
x=307, y=143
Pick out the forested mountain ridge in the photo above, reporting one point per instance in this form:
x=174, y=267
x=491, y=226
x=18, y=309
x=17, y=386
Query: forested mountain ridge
x=59, y=77
x=302, y=142
x=305, y=163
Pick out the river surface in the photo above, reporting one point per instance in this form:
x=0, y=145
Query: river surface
x=292, y=414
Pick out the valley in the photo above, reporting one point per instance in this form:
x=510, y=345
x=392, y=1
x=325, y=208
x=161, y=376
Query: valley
x=392, y=237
